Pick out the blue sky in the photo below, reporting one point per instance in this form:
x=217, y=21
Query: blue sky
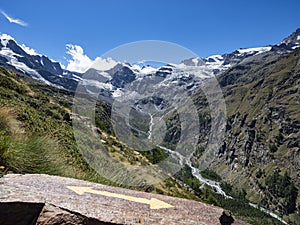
x=205, y=27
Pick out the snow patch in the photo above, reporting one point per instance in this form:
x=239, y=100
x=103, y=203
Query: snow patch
x=28, y=50
x=141, y=71
x=105, y=74
x=25, y=69
x=217, y=60
x=117, y=93
x=8, y=53
x=180, y=66
x=5, y=38
x=97, y=84
x=147, y=70
x=195, y=60
x=75, y=77
x=258, y=50
x=62, y=66
x=215, y=57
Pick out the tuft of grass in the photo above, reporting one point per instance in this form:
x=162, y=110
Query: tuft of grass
x=4, y=122
x=28, y=155
x=8, y=124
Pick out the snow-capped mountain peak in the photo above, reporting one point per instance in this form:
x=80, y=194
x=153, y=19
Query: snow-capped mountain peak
x=142, y=70
x=292, y=41
x=24, y=59
x=214, y=58
x=192, y=62
x=113, y=76
x=5, y=38
x=214, y=61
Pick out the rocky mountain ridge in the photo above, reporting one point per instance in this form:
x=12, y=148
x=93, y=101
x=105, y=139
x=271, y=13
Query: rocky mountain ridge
x=111, y=80
x=40, y=67
x=262, y=130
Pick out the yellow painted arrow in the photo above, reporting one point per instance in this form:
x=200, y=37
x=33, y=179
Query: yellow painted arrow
x=153, y=202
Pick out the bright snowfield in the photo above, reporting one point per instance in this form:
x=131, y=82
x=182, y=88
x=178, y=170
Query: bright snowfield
x=255, y=51
x=81, y=63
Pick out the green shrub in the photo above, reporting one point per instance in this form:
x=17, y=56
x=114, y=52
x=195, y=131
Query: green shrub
x=234, y=192
x=186, y=176
x=259, y=173
x=211, y=175
x=283, y=188
x=155, y=155
x=273, y=148
x=243, y=210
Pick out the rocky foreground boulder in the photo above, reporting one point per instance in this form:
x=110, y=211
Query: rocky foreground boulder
x=44, y=200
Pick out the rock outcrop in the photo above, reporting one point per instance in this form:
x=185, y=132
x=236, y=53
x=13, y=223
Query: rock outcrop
x=48, y=200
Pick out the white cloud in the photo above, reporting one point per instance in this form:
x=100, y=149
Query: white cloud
x=104, y=64
x=79, y=62
x=12, y=20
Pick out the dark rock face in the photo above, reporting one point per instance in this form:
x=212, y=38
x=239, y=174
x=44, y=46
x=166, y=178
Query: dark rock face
x=3, y=60
x=235, y=57
x=226, y=218
x=19, y=213
x=193, y=62
x=67, y=118
x=95, y=75
x=51, y=215
x=122, y=76
x=35, y=61
x=17, y=49
x=23, y=213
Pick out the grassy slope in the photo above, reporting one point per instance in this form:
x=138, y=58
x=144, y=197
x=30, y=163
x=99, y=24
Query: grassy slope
x=271, y=99
x=36, y=137
x=262, y=100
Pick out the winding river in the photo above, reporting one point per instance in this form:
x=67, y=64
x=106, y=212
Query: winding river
x=196, y=173
x=213, y=184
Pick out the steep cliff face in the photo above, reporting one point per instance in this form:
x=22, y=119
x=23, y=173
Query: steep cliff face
x=263, y=129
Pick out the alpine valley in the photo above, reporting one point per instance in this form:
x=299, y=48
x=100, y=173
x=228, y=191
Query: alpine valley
x=255, y=170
